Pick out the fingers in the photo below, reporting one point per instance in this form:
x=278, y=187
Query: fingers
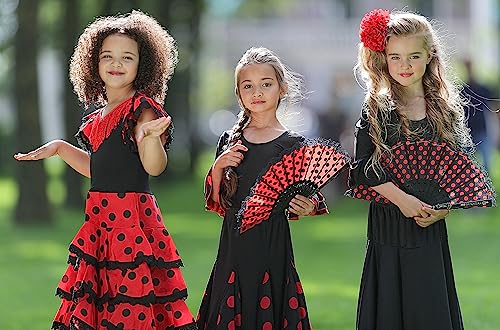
x=301, y=205
x=238, y=147
x=32, y=155
x=154, y=127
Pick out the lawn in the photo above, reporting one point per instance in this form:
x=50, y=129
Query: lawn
x=329, y=253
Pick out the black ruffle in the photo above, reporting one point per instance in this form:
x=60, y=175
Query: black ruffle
x=110, y=326
x=131, y=121
x=150, y=260
x=150, y=299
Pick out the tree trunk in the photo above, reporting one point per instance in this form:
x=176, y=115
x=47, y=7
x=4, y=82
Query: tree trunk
x=184, y=26
x=72, y=110
x=32, y=205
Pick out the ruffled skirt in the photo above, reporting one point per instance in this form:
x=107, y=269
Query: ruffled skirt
x=124, y=269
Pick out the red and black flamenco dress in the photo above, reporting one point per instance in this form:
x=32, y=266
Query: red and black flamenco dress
x=124, y=269
x=254, y=284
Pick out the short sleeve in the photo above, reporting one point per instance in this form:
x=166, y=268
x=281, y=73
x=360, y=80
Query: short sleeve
x=210, y=204
x=140, y=103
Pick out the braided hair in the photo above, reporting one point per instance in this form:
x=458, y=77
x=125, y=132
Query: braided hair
x=288, y=80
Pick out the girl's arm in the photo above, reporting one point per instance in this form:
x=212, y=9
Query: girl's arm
x=75, y=157
x=409, y=205
x=150, y=138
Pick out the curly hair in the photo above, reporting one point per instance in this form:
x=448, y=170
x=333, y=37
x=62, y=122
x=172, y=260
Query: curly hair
x=288, y=80
x=384, y=95
x=157, y=56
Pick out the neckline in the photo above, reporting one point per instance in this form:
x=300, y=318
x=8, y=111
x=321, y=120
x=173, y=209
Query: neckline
x=261, y=143
x=417, y=120
x=119, y=105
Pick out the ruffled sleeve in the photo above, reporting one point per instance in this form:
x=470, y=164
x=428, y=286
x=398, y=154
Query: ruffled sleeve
x=84, y=132
x=140, y=103
x=210, y=204
x=363, y=149
x=320, y=207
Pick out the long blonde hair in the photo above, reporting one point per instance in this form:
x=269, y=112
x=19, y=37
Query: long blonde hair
x=289, y=81
x=384, y=95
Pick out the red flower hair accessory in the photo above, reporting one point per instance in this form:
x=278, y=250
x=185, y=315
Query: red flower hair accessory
x=373, y=29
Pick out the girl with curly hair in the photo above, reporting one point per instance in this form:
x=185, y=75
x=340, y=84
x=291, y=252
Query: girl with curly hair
x=124, y=270
x=407, y=281
x=254, y=283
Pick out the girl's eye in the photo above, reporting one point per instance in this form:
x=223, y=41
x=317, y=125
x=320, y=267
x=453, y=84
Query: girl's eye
x=106, y=56
x=247, y=86
x=266, y=84
x=414, y=57
x=394, y=58
x=127, y=57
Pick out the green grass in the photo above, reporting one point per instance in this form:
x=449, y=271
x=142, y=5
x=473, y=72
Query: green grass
x=329, y=253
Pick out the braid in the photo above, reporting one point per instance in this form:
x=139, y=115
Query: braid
x=229, y=182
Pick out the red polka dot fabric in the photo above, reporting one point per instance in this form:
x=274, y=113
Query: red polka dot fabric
x=123, y=269
x=435, y=173
x=304, y=170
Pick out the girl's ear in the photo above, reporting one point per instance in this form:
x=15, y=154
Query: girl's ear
x=284, y=90
x=430, y=54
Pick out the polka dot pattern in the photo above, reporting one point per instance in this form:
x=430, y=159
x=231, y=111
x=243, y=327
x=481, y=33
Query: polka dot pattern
x=307, y=168
x=436, y=174
x=98, y=274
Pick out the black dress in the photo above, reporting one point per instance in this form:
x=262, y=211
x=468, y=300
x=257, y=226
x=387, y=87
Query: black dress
x=124, y=269
x=254, y=283
x=407, y=281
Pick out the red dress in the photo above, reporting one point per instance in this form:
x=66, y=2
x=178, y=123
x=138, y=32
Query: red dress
x=124, y=269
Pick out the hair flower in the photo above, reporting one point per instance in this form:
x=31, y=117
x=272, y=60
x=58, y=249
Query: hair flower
x=373, y=29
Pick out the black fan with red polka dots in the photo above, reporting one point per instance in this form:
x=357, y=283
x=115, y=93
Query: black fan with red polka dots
x=303, y=169
x=436, y=174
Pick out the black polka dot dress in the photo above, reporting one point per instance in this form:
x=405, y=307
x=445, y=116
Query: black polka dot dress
x=407, y=280
x=254, y=284
x=124, y=268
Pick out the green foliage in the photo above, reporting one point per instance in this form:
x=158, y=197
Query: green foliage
x=329, y=253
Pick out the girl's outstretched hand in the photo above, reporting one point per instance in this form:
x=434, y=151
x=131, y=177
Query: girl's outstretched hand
x=434, y=216
x=301, y=205
x=47, y=150
x=153, y=128
x=231, y=157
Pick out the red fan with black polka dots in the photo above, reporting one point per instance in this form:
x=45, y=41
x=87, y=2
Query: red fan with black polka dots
x=434, y=173
x=303, y=170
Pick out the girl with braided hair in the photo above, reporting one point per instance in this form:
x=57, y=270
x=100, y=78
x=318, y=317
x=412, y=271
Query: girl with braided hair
x=254, y=284
x=124, y=270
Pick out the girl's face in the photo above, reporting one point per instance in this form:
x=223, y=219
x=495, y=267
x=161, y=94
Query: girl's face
x=258, y=88
x=407, y=60
x=118, y=61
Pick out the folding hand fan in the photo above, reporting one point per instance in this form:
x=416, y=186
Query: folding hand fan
x=303, y=170
x=435, y=174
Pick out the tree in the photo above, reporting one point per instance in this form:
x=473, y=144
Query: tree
x=33, y=204
x=72, y=110
x=183, y=21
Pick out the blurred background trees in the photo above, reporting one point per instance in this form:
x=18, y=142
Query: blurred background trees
x=317, y=38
